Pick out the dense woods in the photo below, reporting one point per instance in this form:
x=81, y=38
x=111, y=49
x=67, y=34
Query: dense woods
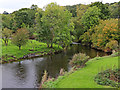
x=94, y=25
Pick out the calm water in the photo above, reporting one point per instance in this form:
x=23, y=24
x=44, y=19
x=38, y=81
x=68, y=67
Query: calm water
x=28, y=73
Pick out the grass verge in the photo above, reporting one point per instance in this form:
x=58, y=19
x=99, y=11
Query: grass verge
x=12, y=52
x=84, y=77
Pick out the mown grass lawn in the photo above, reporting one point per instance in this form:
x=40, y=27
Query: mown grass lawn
x=84, y=78
x=36, y=46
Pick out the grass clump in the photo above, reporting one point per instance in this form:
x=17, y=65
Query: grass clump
x=79, y=60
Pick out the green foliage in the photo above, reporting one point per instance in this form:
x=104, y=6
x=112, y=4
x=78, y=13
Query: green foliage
x=101, y=34
x=79, y=59
x=105, y=32
x=105, y=13
x=86, y=37
x=83, y=78
x=20, y=18
x=24, y=15
x=6, y=21
x=114, y=10
x=34, y=7
x=113, y=44
x=81, y=10
x=20, y=37
x=91, y=17
x=79, y=28
x=6, y=34
x=72, y=9
x=36, y=46
x=55, y=25
x=108, y=77
x=52, y=83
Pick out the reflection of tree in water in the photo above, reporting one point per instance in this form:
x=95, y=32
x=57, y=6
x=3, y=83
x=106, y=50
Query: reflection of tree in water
x=20, y=71
x=52, y=65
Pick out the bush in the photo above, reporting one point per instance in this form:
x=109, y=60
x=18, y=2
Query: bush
x=106, y=31
x=108, y=77
x=101, y=34
x=113, y=44
x=79, y=59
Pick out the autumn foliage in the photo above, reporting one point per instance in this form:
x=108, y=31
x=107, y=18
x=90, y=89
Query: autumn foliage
x=101, y=34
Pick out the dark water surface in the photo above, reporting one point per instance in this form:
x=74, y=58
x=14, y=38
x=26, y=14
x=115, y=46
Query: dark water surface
x=28, y=73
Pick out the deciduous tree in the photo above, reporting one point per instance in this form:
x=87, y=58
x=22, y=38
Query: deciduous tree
x=56, y=25
x=6, y=34
x=91, y=17
x=20, y=37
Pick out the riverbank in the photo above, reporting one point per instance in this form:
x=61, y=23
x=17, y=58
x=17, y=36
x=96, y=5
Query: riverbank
x=32, y=49
x=84, y=77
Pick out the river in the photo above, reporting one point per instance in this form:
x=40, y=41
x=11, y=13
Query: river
x=28, y=73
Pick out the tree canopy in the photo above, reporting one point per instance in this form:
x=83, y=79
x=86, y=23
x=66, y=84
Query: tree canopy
x=56, y=25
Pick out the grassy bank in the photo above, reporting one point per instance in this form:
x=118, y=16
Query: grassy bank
x=12, y=52
x=84, y=77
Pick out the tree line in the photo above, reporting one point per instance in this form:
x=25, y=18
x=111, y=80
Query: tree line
x=63, y=24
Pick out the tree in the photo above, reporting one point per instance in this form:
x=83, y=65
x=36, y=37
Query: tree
x=38, y=16
x=6, y=34
x=103, y=33
x=26, y=16
x=114, y=13
x=6, y=21
x=56, y=25
x=79, y=28
x=34, y=7
x=5, y=12
x=20, y=37
x=81, y=10
x=72, y=9
x=105, y=14
x=90, y=18
x=21, y=17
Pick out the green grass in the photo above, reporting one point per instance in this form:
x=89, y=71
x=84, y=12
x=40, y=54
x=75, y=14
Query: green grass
x=12, y=50
x=84, y=78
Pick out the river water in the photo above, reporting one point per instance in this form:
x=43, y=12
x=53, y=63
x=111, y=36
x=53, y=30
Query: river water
x=28, y=73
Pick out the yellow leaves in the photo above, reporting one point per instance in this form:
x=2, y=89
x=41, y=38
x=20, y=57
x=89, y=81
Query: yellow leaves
x=114, y=29
x=99, y=35
x=107, y=38
x=112, y=35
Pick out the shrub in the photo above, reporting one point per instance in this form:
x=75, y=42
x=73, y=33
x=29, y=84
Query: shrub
x=44, y=78
x=101, y=34
x=113, y=44
x=106, y=31
x=79, y=59
x=108, y=77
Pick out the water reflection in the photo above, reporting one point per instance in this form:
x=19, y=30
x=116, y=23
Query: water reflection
x=28, y=73
x=20, y=71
